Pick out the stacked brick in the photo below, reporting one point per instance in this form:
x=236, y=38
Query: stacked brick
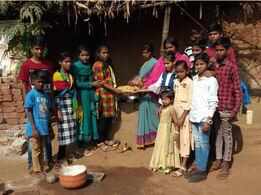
x=11, y=103
x=246, y=38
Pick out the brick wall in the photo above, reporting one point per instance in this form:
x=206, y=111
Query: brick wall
x=246, y=38
x=11, y=103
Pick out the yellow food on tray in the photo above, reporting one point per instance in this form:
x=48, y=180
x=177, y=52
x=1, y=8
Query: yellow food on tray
x=128, y=88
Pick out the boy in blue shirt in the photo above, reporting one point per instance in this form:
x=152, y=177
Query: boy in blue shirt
x=37, y=106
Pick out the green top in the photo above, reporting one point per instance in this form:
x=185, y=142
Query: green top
x=87, y=119
x=82, y=74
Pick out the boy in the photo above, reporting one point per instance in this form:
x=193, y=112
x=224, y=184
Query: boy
x=197, y=48
x=37, y=63
x=204, y=103
x=194, y=39
x=37, y=106
x=229, y=97
x=215, y=32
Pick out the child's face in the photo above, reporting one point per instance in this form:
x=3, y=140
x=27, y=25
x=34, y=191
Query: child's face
x=214, y=36
x=104, y=54
x=195, y=36
x=196, y=50
x=181, y=72
x=146, y=54
x=37, y=51
x=84, y=57
x=38, y=84
x=221, y=52
x=201, y=66
x=170, y=48
x=166, y=100
x=66, y=63
x=169, y=65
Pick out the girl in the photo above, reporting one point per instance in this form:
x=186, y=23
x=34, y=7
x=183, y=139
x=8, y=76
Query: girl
x=182, y=105
x=166, y=79
x=82, y=72
x=204, y=103
x=65, y=103
x=104, y=74
x=164, y=156
x=171, y=45
x=148, y=106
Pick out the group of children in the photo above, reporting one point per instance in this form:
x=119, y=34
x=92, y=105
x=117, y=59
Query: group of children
x=183, y=102
x=200, y=103
x=79, y=96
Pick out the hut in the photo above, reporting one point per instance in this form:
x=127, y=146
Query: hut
x=126, y=25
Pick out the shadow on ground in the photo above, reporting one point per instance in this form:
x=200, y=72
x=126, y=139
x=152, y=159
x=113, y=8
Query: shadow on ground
x=118, y=180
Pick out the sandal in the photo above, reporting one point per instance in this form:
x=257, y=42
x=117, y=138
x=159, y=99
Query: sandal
x=125, y=148
x=104, y=148
x=36, y=174
x=224, y=172
x=108, y=149
x=58, y=165
x=141, y=147
x=154, y=170
x=116, y=143
x=77, y=155
x=112, y=142
x=100, y=144
x=167, y=171
x=190, y=171
x=180, y=172
x=216, y=165
x=88, y=153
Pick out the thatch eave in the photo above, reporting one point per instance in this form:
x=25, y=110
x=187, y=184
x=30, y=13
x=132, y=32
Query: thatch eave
x=114, y=8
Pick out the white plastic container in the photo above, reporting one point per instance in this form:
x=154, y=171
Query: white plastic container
x=249, y=117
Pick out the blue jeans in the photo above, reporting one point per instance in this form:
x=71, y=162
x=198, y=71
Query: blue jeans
x=47, y=151
x=201, y=140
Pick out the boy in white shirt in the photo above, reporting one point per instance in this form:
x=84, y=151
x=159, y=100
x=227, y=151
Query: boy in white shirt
x=204, y=103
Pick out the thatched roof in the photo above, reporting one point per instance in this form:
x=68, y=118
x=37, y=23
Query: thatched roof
x=116, y=7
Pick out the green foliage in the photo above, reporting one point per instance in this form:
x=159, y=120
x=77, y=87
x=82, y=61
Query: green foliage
x=21, y=36
x=29, y=24
x=32, y=12
x=5, y=5
x=58, y=5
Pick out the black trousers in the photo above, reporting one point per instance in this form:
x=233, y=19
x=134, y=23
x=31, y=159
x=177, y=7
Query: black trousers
x=104, y=128
x=61, y=153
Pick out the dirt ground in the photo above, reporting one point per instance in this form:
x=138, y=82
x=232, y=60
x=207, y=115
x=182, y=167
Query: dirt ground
x=127, y=173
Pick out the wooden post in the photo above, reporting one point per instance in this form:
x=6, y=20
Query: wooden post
x=166, y=23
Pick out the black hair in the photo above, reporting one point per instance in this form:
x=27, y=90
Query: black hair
x=166, y=92
x=169, y=56
x=224, y=41
x=202, y=56
x=215, y=27
x=202, y=43
x=37, y=41
x=172, y=41
x=182, y=63
x=149, y=47
x=37, y=74
x=82, y=48
x=64, y=55
x=98, y=50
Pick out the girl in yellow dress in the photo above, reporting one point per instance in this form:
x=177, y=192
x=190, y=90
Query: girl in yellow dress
x=165, y=156
x=182, y=105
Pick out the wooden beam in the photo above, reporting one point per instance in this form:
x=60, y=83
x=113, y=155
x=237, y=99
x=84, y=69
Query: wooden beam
x=166, y=23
